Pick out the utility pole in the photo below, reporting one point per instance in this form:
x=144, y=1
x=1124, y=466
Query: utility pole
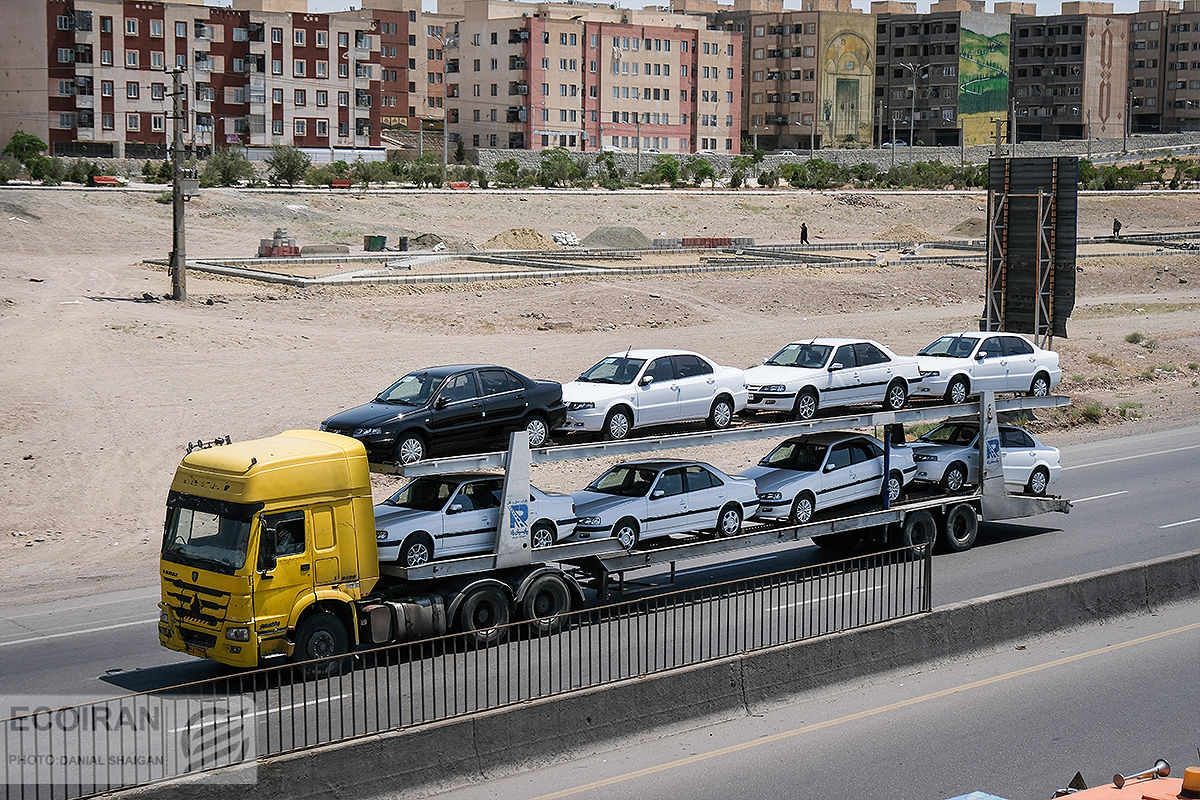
x=447, y=43
x=178, y=253
x=1089, y=134
x=962, y=143
x=812, y=137
x=1128, y=122
x=893, y=147
x=1012, y=127
x=998, y=136
x=912, y=119
x=879, y=116
x=638, y=120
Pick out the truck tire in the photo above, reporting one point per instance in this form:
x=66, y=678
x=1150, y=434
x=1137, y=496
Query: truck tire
x=485, y=614
x=320, y=637
x=545, y=599
x=960, y=528
x=919, y=533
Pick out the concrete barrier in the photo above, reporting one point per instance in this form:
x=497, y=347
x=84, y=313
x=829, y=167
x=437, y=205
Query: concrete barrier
x=423, y=760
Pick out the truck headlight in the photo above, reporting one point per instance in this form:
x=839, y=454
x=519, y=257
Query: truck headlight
x=237, y=634
x=923, y=457
x=580, y=406
x=770, y=496
x=589, y=521
x=358, y=432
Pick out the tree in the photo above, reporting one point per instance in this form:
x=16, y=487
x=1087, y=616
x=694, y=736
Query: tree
x=608, y=174
x=23, y=146
x=701, y=170
x=665, y=170
x=507, y=171
x=287, y=164
x=739, y=168
x=557, y=168
x=460, y=152
x=226, y=167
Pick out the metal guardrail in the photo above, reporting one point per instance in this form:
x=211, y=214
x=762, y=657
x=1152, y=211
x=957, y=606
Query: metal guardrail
x=232, y=721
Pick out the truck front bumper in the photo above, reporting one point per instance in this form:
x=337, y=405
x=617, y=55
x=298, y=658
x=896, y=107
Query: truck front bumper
x=174, y=634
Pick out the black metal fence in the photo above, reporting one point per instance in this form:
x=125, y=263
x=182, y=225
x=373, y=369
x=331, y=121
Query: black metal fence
x=74, y=752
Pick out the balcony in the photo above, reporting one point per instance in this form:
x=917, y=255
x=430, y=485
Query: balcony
x=517, y=36
x=517, y=87
x=515, y=115
x=517, y=63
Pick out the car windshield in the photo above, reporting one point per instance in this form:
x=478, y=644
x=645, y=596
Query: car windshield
x=624, y=481
x=808, y=356
x=424, y=494
x=951, y=347
x=614, y=369
x=206, y=533
x=414, y=389
x=801, y=456
x=950, y=433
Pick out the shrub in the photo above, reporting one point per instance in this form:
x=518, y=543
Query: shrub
x=49, y=171
x=227, y=166
x=166, y=198
x=9, y=169
x=82, y=171
x=23, y=146
x=665, y=170
x=319, y=176
x=1091, y=411
x=557, y=168
x=287, y=164
x=768, y=177
x=1100, y=358
x=1134, y=338
x=507, y=171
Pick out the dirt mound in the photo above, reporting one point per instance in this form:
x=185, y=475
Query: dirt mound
x=520, y=239
x=616, y=237
x=905, y=233
x=970, y=228
x=425, y=241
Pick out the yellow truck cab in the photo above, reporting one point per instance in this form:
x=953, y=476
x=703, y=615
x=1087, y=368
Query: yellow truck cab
x=267, y=547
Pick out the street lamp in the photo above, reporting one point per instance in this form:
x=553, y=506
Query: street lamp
x=1128, y=122
x=1089, y=134
x=448, y=43
x=812, y=135
x=912, y=120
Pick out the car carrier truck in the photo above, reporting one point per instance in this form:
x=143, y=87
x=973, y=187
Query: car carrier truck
x=269, y=546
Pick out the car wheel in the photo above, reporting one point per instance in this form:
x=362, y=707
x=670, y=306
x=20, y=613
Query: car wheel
x=895, y=486
x=626, y=532
x=416, y=550
x=721, y=414
x=962, y=525
x=806, y=404
x=803, y=507
x=1040, y=386
x=896, y=396
x=542, y=535
x=958, y=391
x=955, y=478
x=1038, y=481
x=729, y=521
x=538, y=430
x=618, y=424
x=410, y=448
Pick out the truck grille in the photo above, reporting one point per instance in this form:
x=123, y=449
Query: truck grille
x=197, y=638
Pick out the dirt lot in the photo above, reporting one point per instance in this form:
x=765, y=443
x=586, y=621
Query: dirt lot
x=102, y=384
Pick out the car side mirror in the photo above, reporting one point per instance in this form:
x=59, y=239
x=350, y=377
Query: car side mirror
x=657, y=493
x=646, y=380
x=982, y=354
x=835, y=366
x=441, y=402
x=764, y=361
x=454, y=509
x=830, y=467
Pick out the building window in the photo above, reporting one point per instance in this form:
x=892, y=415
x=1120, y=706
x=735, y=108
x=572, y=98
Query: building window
x=322, y=69
x=343, y=99
x=180, y=30
x=277, y=127
x=106, y=58
x=107, y=122
x=106, y=88
x=133, y=122
x=66, y=120
x=157, y=61
x=300, y=127
x=131, y=90
x=131, y=27
x=298, y=68
x=157, y=123
x=301, y=97
x=322, y=39
x=298, y=37
x=276, y=66
x=323, y=128
x=277, y=96
x=322, y=98
x=131, y=58
x=157, y=91
x=156, y=28
x=66, y=55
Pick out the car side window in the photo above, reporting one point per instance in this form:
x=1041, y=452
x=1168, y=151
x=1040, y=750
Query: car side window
x=670, y=483
x=1013, y=437
x=498, y=381
x=460, y=387
x=868, y=354
x=1016, y=346
x=661, y=369
x=990, y=348
x=839, y=456
x=699, y=478
x=691, y=366
x=845, y=356
x=869, y=449
x=860, y=452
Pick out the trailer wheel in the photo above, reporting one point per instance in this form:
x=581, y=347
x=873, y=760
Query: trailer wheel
x=920, y=532
x=961, y=526
x=484, y=614
x=545, y=599
x=318, y=638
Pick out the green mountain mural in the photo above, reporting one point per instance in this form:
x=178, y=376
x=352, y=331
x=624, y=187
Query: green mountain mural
x=982, y=72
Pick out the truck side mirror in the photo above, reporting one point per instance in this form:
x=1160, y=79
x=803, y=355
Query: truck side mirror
x=266, y=552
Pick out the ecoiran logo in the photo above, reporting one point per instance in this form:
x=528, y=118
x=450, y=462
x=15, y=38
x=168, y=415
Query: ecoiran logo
x=90, y=745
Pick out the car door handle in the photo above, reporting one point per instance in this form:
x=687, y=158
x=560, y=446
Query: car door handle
x=711, y=381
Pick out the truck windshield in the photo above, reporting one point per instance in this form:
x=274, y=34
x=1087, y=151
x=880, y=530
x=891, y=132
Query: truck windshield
x=801, y=456
x=424, y=494
x=614, y=369
x=806, y=356
x=950, y=347
x=414, y=389
x=207, y=533
x=624, y=481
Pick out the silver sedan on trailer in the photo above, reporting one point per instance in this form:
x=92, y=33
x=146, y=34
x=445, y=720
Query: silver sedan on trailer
x=949, y=456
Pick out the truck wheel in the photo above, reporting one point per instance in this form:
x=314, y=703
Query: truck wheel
x=729, y=521
x=837, y=543
x=545, y=599
x=920, y=533
x=484, y=614
x=319, y=638
x=962, y=524
x=806, y=404
x=542, y=535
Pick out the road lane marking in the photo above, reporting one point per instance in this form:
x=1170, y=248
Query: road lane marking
x=808, y=600
x=77, y=633
x=1130, y=458
x=866, y=714
x=1099, y=497
x=88, y=604
x=724, y=566
x=1177, y=524
x=264, y=711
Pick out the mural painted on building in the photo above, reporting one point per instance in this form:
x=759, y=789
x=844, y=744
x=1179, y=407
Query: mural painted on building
x=983, y=57
x=847, y=80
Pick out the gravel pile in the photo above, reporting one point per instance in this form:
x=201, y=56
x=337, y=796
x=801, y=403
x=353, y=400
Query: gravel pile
x=971, y=228
x=616, y=237
x=905, y=233
x=520, y=239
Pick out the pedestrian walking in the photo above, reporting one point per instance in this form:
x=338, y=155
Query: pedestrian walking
x=803, y=233
x=1117, y=228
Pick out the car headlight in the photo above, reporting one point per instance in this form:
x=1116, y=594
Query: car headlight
x=923, y=457
x=324, y=426
x=237, y=634
x=770, y=496
x=589, y=521
x=930, y=373
x=774, y=387
x=367, y=432
x=580, y=406
x=381, y=536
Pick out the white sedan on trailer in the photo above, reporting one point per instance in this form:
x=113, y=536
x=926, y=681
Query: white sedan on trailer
x=949, y=456
x=639, y=388
x=436, y=516
x=646, y=499
x=817, y=471
x=959, y=365
x=819, y=373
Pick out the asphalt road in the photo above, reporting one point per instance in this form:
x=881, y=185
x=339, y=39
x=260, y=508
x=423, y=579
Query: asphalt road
x=1135, y=499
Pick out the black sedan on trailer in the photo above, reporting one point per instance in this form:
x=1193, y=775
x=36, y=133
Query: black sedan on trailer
x=465, y=407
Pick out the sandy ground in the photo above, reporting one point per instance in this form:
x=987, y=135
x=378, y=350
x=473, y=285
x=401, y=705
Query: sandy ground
x=100, y=388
